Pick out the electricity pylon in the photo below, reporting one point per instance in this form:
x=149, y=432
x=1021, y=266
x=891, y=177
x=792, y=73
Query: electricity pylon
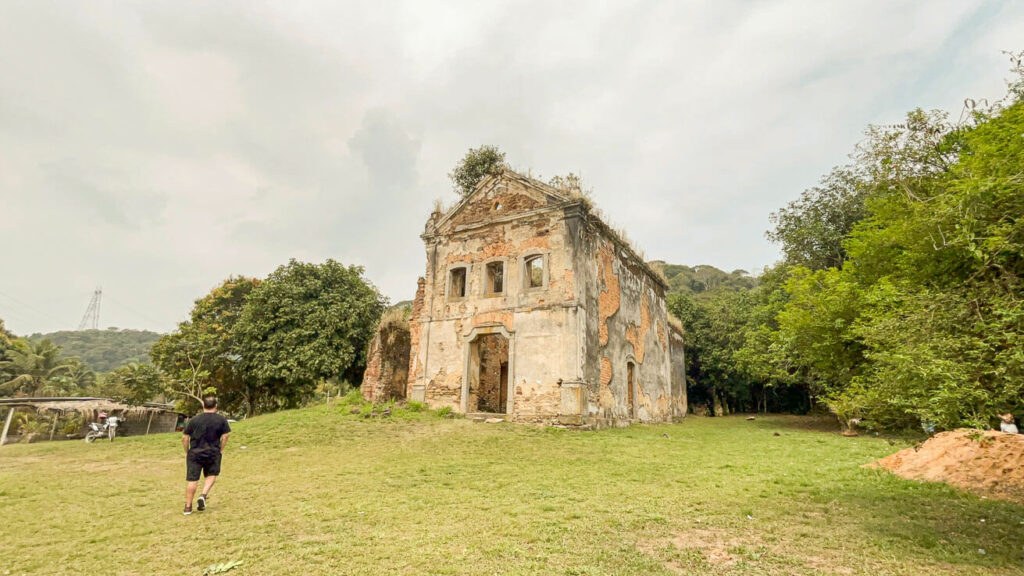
x=91, y=318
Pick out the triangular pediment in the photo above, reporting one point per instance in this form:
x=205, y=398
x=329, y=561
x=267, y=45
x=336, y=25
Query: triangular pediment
x=501, y=195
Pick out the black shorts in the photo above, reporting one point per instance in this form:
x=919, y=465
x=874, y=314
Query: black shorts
x=208, y=465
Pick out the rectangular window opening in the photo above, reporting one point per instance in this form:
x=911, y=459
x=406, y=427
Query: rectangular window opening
x=535, y=271
x=457, y=283
x=495, y=277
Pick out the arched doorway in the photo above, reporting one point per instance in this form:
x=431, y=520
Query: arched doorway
x=487, y=372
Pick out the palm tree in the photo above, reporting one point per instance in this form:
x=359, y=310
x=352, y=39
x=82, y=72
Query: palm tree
x=31, y=368
x=76, y=377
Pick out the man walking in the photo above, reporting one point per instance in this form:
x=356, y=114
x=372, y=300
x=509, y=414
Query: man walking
x=204, y=439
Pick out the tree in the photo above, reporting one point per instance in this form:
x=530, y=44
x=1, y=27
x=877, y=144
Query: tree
x=32, y=368
x=905, y=305
x=5, y=338
x=133, y=384
x=307, y=323
x=813, y=228
x=203, y=353
x=476, y=165
x=304, y=324
x=73, y=381
x=713, y=325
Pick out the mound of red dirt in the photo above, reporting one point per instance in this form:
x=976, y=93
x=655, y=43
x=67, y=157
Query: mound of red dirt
x=988, y=462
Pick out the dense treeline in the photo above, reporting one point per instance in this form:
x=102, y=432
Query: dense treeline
x=899, y=301
x=258, y=344
x=102, y=350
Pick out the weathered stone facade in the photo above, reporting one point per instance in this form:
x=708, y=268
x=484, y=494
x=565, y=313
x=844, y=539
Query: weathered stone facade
x=532, y=307
x=387, y=363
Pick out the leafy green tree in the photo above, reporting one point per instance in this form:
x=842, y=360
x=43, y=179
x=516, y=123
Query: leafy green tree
x=918, y=316
x=714, y=333
x=133, y=384
x=307, y=323
x=476, y=165
x=73, y=381
x=942, y=261
x=813, y=228
x=32, y=368
x=203, y=353
x=5, y=338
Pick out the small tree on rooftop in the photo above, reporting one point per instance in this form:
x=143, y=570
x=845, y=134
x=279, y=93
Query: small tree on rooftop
x=476, y=165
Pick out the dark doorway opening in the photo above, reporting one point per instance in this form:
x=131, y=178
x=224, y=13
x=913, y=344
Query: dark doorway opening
x=491, y=391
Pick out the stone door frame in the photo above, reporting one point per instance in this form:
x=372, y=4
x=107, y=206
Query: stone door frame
x=467, y=351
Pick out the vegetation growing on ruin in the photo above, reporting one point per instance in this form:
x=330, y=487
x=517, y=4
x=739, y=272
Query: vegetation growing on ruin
x=476, y=165
x=328, y=491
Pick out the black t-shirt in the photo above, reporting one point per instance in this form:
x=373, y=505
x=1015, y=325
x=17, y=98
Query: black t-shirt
x=204, y=432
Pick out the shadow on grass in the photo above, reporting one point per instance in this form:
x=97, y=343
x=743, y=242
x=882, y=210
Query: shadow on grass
x=935, y=521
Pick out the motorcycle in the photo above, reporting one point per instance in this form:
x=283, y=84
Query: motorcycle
x=108, y=428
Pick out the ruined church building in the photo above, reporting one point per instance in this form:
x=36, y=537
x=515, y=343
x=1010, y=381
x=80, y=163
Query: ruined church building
x=533, y=309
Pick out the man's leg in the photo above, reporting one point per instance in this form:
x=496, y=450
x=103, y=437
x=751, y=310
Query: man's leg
x=208, y=484
x=192, y=471
x=211, y=470
x=190, y=492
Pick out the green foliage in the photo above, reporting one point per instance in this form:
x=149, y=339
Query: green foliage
x=33, y=369
x=306, y=323
x=476, y=165
x=5, y=338
x=279, y=342
x=203, y=353
x=133, y=384
x=703, y=279
x=813, y=228
x=903, y=303
x=74, y=380
x=103, y=350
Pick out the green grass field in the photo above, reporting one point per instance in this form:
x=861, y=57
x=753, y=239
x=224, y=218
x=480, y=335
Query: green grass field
x=324, y=491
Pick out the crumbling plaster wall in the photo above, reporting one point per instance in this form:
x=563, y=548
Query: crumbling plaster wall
x=626, y=321
x=505, y=223
x=387, y=364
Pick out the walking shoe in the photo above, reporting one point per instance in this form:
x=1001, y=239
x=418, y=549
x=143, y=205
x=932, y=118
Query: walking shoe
x=188, y=510
x=201, y=503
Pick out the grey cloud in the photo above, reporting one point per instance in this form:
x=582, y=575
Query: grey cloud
x=155, y=148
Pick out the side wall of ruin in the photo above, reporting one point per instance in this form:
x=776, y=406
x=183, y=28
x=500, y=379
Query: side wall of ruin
x=626, y=324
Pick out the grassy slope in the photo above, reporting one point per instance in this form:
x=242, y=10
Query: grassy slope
x=322, y=491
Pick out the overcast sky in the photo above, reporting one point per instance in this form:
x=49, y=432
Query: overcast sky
x=156, y=148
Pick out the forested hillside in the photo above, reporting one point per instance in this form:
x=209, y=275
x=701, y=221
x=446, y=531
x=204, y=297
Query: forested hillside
x=102, y=350
x=703, y=279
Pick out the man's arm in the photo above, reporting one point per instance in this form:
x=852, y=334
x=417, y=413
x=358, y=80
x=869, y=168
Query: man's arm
x=185, y=441
x=223, y=441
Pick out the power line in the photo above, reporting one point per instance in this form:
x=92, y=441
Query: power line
x=32, y=309
x=125, y=307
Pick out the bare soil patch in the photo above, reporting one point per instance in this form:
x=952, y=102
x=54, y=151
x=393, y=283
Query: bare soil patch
x=989, y=463
x=722, y=550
